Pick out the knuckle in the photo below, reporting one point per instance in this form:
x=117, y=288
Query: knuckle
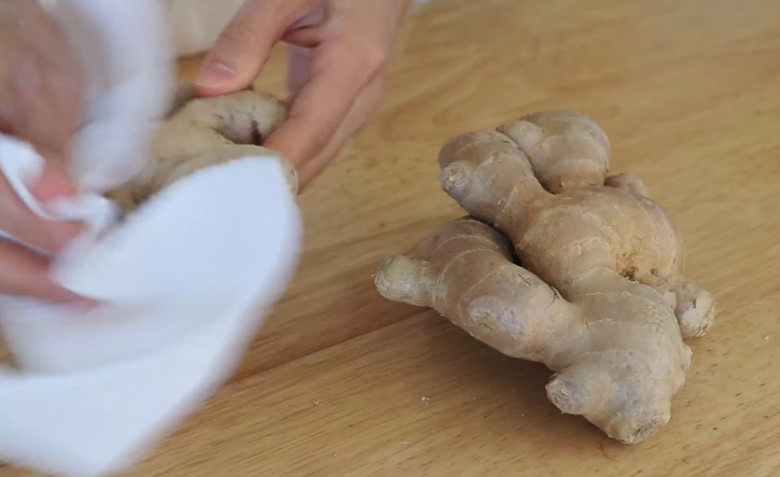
x=375, y=56
x=367, y=56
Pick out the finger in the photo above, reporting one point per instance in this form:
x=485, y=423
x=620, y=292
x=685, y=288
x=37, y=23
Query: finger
x=43, y=79
x=47, y=122
x=45, y=108
x=47, y=236
x=25, y=273
x=370, y=101
x=20, y=222
x=44, y=111
x=42, y=105
x=339, y=72
x=55, y=182
x=44, y=35
x=243, y=48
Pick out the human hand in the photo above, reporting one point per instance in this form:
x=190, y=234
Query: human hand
x=338, y=54
x=40, y=103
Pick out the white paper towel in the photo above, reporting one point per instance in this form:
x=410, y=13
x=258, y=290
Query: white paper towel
x=183, y=283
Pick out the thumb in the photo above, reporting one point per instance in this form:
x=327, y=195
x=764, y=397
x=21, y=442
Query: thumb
x=243, y=48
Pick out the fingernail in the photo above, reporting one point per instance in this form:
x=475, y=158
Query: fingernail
x=214, y=74
x=51, y=187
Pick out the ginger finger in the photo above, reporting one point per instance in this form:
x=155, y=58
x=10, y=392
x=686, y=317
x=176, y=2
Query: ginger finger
x=693, y=305
x=628, y=183
x=567, y=150
x=464, y=271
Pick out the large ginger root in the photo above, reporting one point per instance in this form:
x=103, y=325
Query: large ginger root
x=600, y=298
x=203, y=132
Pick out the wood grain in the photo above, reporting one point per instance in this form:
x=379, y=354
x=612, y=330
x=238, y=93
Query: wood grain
x=689, y=93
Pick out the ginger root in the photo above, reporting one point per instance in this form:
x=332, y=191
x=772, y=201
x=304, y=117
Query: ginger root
x=203, y=132
x=561, y=264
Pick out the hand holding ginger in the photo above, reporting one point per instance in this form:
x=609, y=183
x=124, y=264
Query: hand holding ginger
x=562, y=264
x=338, y=53
x=204, y=132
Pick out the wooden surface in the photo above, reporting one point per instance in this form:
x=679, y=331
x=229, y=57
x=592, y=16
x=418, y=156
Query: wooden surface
x=341, y=383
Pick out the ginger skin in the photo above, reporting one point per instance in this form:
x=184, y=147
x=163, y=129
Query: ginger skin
x=203, y=132
x=565, y=149
x=595, y=222
x=600, y=297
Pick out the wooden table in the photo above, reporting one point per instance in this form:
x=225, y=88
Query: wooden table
x=342, y=383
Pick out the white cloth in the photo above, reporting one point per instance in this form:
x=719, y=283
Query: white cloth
x=184, y=282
